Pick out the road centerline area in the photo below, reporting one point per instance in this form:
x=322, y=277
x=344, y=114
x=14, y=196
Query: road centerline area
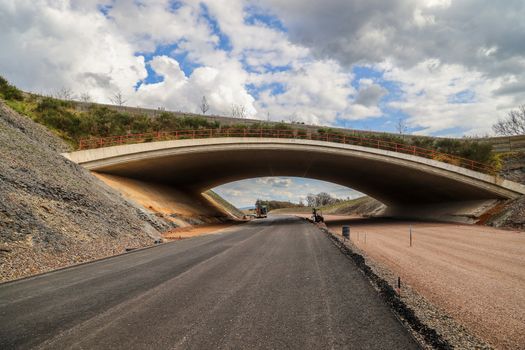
x=274, y=283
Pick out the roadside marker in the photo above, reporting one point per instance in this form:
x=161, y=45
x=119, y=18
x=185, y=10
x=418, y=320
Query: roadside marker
x=410, y=230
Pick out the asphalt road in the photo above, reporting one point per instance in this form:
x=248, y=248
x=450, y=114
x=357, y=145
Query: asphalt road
x=277, y=283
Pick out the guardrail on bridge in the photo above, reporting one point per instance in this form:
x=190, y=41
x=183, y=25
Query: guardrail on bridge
x=90, y=143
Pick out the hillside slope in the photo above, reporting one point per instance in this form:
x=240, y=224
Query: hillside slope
x=223, y=204
x=362, y=206
x=53, y=212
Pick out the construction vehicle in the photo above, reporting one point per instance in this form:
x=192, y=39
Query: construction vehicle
x=261, y=211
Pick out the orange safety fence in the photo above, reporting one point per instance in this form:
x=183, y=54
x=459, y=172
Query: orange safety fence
x=90, y=143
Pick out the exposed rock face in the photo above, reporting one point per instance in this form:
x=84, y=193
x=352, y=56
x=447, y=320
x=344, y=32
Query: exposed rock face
x=514, y=167
x=52, y=211
x=511, y=214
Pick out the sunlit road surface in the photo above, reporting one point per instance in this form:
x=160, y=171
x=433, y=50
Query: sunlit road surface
x=277, y=283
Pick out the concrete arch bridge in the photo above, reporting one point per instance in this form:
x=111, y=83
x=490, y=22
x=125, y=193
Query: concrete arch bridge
x=410, y=181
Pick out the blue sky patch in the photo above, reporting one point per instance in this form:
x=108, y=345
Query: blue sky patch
x=175, y=5
x=364, y=72
x=256, y=16
x=224, y=41
x=465, y=96
x=181, y=57
x=104, y=9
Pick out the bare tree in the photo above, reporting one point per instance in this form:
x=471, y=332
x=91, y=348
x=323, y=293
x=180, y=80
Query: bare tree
x=85, y=97
x=204, y=105
x=320, y=199
x=64, y=94
x=292, y=118
x=118, y=99
x=238, y=111
x=401, y=126
x=514, y=124
x=324, y=198
x=311, y=200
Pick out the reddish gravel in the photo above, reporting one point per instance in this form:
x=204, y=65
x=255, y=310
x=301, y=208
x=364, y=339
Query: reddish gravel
x=476, y=274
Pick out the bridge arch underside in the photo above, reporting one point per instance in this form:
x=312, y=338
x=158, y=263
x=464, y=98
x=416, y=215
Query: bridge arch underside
x=397, y=180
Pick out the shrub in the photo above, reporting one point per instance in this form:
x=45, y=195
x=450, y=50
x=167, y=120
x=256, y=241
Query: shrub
x=445, y=158
x=64, y=121
x=49, y=103
x=496, y=161
x=10, y=92
x=477, y=151
x=302, y=134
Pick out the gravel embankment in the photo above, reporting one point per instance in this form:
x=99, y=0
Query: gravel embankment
x=54, y=213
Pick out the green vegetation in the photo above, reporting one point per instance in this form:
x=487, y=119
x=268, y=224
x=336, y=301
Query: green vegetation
x=272, y=204
x=328, y=208
x=73, y=122
x=9, y=92
x=360, y=206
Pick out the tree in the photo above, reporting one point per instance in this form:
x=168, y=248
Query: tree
x=514, y=124
x=85, y=97
x=204, y=107
x=292, y=118
x=324, y=198
x=64, y=94
x=118, y=99
x=320, y=199
x=311, y=200
x=238, y=111
x=401, y=126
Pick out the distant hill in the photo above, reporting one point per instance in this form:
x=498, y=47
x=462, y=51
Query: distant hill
x=364, y=206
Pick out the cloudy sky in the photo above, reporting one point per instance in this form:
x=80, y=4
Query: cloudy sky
x=244, y=193
x=445, y=67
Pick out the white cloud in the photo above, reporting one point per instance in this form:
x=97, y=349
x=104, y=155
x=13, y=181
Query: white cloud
x=179, y=92
x=50, y=45
x=244, y=193
x=432, y=49
x=275, y=181
x=430, y=102
x=315, y=92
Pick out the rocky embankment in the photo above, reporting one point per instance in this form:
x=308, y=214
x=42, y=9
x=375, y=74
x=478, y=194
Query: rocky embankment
x=54, y=213
x=510, y=214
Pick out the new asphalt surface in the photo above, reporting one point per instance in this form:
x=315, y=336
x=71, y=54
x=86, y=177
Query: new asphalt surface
x=276, y=283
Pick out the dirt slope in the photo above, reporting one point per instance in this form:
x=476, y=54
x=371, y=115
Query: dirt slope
x=223, y=204
x=53, y=212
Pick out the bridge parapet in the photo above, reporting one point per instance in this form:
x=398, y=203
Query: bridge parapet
x=91, y=143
